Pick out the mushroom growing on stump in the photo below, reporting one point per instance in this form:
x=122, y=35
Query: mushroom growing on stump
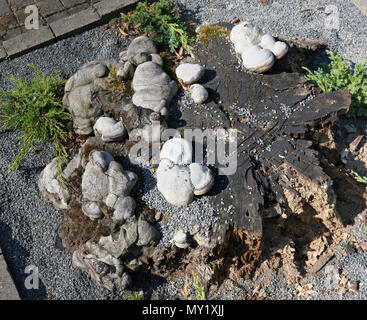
x=153, y=88
x=109, y=129
x=178, y=179
x=105, y=181
x=278, y=48
x=258, y=51
x=190, y=73
x=256, y=59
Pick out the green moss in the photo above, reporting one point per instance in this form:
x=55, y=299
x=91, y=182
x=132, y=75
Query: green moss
x=118, y=85
x=210, y=31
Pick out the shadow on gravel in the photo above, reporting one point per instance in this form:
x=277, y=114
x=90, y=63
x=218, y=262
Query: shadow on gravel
x=156, y=287
x=15, y=256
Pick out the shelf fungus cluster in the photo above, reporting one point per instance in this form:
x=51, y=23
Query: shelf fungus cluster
x=105, y=182
x=110, y=203
x=190, y=74
x=105, y=199
x=153, y=87
x=178, y=179
x=258, y=51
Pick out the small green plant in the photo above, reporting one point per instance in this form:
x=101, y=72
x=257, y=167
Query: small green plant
x=162, y=22
x=132, y=295
x=358, y=178
x=199, y=291
x=35, y=108
x=338, y=75
x=155, y=296
x=185, y=294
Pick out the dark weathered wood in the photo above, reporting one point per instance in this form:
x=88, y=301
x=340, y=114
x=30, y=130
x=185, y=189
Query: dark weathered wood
x=272, y=114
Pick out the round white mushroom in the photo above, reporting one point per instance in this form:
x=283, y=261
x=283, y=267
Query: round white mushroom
x=178, y=179
x=245, y=35
x=181, y=240
x=257, y=59
x=100, y=159
x=92, y=210
x=109, y=129
x=202, y=178
x=279, y=49
x=198, y=93
x=177, y=150
x=173, y=181
x=190, y=73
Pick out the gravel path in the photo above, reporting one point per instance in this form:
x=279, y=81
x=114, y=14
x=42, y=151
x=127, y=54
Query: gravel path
x=292, y=18
x=28, y=225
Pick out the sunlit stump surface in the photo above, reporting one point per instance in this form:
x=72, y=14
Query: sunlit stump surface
x=275, y=115
x=280, y=196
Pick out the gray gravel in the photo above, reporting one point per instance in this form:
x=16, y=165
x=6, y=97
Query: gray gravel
x=291, y=18
x=28, y=225
x=196, y=218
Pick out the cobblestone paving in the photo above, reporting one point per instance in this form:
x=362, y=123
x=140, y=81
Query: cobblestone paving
x=57, y=18
x=7, y=287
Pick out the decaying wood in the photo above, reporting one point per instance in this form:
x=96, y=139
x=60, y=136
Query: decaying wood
x=306, y=43
x=273, y=115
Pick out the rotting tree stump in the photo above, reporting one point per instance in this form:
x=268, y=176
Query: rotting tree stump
x=278, y=173
x=275, y=115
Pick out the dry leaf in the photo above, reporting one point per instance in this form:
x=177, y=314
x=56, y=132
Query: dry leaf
x=235, y=20
x=183, y=85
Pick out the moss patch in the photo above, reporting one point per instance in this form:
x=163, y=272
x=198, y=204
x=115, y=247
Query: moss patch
x=118, y=85
x=76, y=228
x=210, y=31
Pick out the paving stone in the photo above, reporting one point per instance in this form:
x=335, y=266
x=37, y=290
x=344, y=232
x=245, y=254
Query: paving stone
x=49, y=7
x=74, y=22
x=4, y=7
x=18, y=4
x=28, y=40
x=57, y=16
x=2, y=56
x=2, y=34
x=12, y=33
x=8, y=290
x=72, y=3
x=361, y=5
x=8, y=21
x=107, y=7
x=21, y=16
x=79, y=8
